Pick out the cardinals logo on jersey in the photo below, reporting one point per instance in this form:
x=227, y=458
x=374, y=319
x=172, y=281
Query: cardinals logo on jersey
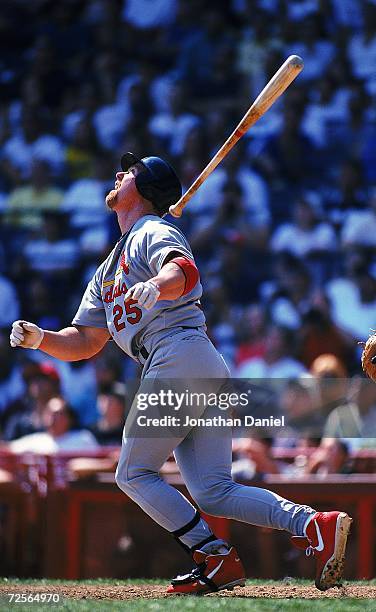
x=123, y=265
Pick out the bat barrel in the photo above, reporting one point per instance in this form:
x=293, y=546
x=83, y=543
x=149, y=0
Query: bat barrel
x=277, y=85
x=271, y=92
x=296, y=62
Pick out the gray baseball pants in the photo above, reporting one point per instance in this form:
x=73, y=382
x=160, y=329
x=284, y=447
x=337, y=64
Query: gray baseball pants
x=204, y=460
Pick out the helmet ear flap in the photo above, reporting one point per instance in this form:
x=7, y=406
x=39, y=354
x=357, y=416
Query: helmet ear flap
x=144, y=189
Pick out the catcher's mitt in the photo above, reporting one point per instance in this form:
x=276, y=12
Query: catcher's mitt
x=369, y=357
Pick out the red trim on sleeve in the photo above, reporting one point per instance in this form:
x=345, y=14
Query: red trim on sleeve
x=190, y=272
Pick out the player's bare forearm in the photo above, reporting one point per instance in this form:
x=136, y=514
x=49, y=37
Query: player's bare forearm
x=170, y=282
x=74, y=343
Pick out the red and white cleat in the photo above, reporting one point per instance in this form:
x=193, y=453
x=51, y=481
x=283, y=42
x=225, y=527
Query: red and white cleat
x=213, y=573
x=326, y=538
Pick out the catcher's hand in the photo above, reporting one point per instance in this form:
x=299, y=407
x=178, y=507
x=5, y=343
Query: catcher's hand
x=26, y=335
x=369, y=357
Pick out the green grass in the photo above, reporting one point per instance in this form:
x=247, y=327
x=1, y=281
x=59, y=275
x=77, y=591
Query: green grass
x=195, y=604
x=255, y=605
x=189, y=604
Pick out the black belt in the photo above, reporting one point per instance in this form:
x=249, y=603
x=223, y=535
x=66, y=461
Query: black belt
x=145, y=353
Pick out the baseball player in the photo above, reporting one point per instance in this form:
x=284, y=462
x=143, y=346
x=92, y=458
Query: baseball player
x=145, y=296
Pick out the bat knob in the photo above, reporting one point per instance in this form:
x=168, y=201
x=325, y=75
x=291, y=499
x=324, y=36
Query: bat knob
x=175, y=211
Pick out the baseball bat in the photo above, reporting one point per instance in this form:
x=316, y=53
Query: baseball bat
x=271, y=92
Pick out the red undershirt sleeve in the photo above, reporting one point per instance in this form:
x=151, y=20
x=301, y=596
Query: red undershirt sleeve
x=190, y=272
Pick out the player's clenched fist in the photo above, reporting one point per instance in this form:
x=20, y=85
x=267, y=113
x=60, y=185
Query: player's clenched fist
x=25, y=334
x=146, y=294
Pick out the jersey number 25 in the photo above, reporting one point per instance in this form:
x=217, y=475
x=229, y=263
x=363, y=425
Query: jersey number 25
x=133, y=314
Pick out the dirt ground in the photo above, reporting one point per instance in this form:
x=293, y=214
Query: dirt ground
x=147, y=591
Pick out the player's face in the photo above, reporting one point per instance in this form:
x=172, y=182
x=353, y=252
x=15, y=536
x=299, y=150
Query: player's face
x=125, y=191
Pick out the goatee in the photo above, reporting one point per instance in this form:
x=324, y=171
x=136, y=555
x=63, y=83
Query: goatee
x=111, y=199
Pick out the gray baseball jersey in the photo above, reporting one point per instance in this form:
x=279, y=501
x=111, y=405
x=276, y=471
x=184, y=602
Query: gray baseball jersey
x=137, y=257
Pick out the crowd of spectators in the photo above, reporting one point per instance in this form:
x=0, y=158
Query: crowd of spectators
x=283, y=231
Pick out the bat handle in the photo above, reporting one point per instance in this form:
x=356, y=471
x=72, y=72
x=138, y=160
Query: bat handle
x=176, y=210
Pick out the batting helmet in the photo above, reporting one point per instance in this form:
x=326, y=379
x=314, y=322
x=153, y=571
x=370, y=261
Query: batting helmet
x=158, y=181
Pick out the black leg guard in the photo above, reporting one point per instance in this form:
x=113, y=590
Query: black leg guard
x=183, y=530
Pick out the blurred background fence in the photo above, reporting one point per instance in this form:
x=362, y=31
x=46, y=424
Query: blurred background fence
x=60, y=525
